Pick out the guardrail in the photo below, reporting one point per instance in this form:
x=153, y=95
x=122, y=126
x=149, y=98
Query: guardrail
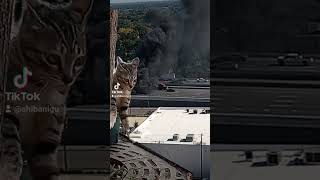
x=262, y=147
x=265, y=83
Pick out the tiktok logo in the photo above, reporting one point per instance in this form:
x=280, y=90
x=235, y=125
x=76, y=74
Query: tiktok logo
x=116, y=87
x=21, y=80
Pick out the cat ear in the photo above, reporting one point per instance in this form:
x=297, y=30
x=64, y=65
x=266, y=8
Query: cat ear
x=19, y=11
x=119, y=60
x=80, y=11
x=135, y=61
x=120, y=63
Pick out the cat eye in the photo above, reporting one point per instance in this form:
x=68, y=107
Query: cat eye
x=79, y=62
x=53, y=59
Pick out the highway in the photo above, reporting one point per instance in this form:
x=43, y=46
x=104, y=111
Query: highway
x=266, y=100
x=261, y=147
x=262, y=103
x=183, y=96
x=160, y=101
x=232, y=165
x=267, y=68
x=265, y=115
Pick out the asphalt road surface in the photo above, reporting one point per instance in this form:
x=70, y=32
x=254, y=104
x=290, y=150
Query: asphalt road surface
x=257, y=114
x=264, y=103
x=233, y=166
x=266, y=100
x=181, y=97
x=267, y=68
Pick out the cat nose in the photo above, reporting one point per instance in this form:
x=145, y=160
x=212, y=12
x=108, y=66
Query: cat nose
x=67, y=76
x=68, y=72
x=67, y=79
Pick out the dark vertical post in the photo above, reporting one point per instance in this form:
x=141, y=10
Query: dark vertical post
x=113, y=38
x=6, y=14
x=201, y=156
x=114, y=132
x=65, y=154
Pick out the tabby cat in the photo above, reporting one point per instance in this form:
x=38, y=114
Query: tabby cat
x=11, y=153
x=123, y=81
x=10, y=142
x=51, y=42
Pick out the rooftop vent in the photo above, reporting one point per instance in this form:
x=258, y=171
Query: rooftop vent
x=194, y=111
x=248, y=155
x=189, y=138
x=174, y=138
x=205, y=111
x=312, y=157
x=273, y=158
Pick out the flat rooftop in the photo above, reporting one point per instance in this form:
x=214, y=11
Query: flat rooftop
x=162, y=124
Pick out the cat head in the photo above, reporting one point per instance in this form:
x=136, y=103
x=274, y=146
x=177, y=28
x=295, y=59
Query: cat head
x=126, y=72
x=53, y=42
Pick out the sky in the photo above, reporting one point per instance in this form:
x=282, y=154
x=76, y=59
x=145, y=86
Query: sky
x=125, y=1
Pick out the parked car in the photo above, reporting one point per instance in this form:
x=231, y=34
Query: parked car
x=202, y=80
x=294, y=58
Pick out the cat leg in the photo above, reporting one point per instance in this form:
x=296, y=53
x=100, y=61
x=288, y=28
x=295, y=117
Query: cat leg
x=123, y=112
x=113, y=112
x=11, y=162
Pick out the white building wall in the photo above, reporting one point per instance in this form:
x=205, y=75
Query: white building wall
x=187, y=156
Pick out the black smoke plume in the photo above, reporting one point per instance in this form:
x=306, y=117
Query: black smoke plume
x=179, y=42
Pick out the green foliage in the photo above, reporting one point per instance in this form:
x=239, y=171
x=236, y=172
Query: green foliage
x=131, y=30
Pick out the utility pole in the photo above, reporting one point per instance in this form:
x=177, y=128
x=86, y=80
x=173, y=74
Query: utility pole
x=201, y=156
